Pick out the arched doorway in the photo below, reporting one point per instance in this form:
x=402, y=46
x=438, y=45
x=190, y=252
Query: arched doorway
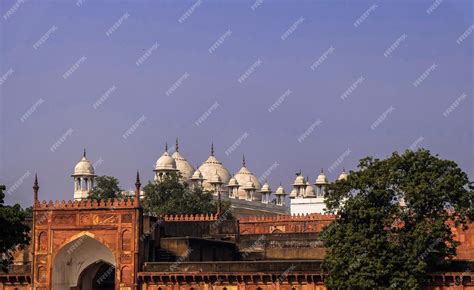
x=81, y=263
x=97, y=276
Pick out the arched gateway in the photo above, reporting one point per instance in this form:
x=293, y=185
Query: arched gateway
x=86, y=244
x=84, y=263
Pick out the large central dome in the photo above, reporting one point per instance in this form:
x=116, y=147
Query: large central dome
x=209, y=167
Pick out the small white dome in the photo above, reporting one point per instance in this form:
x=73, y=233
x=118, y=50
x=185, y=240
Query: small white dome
x=322, y=179
x=293, y=192
x=233, y=182
x=165, y=162
x=309, y=192
x=243, y=177
x=299, y=180
x=266, y=188
x=197, y=175
x=249, y=185
x=84, y=167
x=343, y=175
x=215, y=179
x=280, y=190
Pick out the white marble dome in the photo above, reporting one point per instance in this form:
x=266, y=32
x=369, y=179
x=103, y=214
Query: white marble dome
x=343, y=175
x=280, y=190
x=243, y=177
x=197, y=175
x=209, y=167
x=165, y=163
x=322, y=179
x=309, y=192
x=299, y=180
x=266, y=188
x=183, y=166
x=84, y=167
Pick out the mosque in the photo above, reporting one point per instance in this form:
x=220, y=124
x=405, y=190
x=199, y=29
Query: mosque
x=248, y=197
x=82, y=244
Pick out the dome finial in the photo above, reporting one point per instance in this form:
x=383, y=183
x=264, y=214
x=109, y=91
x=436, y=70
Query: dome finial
x=84, y=154
x=243, y=160
x=166, y=146
x=212, y=149
x=322, y=171
x=177, y=145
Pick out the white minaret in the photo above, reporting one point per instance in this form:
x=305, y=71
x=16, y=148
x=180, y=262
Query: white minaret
x=280, y=195
x=233, y=188
x=83, y=178
x=266, y=192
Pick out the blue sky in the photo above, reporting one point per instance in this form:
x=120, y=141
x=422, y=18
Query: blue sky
x=277, y=42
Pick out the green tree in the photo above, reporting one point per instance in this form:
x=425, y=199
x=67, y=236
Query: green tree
x=393, y=223
x=13, y=230
x=105, y=187
x=171, y=196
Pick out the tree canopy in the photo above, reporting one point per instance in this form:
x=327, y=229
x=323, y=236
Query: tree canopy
x=13, y=230
x=393, y=220
x=171, y=196
x=105, y=187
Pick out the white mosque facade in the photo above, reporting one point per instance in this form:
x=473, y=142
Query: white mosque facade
x=244, y=190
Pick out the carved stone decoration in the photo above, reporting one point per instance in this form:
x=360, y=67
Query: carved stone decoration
x=126, y=240
x=84, y=219
x=41, y=274
x=42, y=242
x=101, y=219
x=125, y=275
x=126, y=218
x=64, y=220
x=41, y=219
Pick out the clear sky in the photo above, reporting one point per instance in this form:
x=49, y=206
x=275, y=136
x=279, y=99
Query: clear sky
x=302, y=84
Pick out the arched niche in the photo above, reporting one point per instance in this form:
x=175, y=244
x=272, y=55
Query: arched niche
x=76, y=256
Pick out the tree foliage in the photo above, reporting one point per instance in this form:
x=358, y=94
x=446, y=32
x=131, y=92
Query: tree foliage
x=13, y=230
x=394, y=218
x=105, y=187
x=171, y=196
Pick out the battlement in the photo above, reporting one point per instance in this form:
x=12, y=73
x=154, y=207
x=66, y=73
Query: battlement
x=86, y=204
x=283, y=218
x=190, y=218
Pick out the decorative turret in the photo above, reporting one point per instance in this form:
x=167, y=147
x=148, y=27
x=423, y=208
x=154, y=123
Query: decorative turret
x=299, y=186
x=164, y=165
x=266, y=192
x=249, y=190
x=35, y=191
x=216, y=183
x=233, y=187
x=182, y=164
x=343, y=175
x=280, y=195
x=321, y=183
x=83, y=178
x=197, y=178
